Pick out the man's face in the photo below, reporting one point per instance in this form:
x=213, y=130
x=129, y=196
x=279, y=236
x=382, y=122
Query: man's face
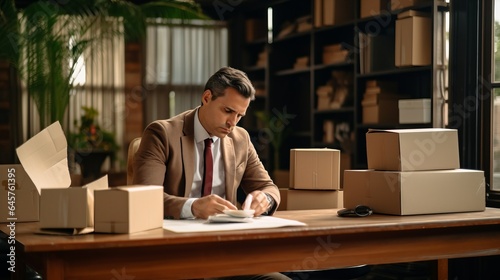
x=221, y=115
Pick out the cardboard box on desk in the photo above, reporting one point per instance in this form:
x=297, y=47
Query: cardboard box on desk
x=25, y=202
x=412, y=149
x=317, y=169
x=128, y=209
x=310, y=199
x=70, y=208
x=418, y=192
x=44, y=157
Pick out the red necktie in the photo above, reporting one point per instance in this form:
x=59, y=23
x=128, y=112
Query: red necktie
x=206, y=187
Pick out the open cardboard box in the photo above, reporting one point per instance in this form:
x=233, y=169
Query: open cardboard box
x=63, y=209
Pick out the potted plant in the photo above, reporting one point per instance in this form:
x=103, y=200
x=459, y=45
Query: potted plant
x=277, y=131
x=91, y=145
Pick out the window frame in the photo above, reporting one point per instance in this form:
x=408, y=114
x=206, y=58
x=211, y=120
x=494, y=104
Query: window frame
x=487, y=90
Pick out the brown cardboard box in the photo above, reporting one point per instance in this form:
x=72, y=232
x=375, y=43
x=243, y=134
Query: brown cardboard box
x=370, y=8
x=412, y=149
x=337, y=11
x=317, y=169
x=419, y=192
x=413, y=40
x=128, y=209
x=25, y=202
x=70, y=208
x=311, y=199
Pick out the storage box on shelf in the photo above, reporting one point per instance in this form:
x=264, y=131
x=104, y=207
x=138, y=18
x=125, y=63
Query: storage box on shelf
x=413, y=39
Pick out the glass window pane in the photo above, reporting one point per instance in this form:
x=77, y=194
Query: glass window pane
x=496, y=41
x=495, y=184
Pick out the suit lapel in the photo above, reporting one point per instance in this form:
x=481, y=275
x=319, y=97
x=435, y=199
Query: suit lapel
x=187, y=147
x=229, y=159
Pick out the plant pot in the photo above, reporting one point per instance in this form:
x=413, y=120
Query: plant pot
x=91, y=164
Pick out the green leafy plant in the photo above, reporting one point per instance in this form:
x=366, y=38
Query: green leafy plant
x=277, y=132
x=89, y=136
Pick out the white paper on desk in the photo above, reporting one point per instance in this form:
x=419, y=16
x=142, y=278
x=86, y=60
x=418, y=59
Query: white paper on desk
x=181, y=226
x=45, y=158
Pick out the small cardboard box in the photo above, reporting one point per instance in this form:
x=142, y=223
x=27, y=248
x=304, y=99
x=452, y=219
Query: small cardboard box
x=16, y=183
x=419, y=192
x=44, y=157
x=415, y=110
x=370, y=8
x=317, y=169
x=412, y=149
x=128, y=209
x=337, y=11
x=310, y=199
x=70, y=208
x=413, y=40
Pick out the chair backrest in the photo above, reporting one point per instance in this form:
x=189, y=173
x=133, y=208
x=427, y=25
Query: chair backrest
x=132, y=149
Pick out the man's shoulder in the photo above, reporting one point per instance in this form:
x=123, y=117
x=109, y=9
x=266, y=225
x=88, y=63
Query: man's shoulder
x=173, y=121
x=238, y=133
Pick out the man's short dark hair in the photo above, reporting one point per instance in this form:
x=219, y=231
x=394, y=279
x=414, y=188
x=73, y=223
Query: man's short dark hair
x=230, y=77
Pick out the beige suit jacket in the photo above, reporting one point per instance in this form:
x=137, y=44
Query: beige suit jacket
x=166, y=158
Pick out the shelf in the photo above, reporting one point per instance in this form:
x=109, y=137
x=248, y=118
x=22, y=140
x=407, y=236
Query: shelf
x=338, y=65
x=292, y=71
x=296, y=89
x=396, y=71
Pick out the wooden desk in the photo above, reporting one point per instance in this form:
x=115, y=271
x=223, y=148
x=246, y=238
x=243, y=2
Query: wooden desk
x=328, y=241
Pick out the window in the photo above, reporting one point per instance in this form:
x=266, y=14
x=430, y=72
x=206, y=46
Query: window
x=180, y=59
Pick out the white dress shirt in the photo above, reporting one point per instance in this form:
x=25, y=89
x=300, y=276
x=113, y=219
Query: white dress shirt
x=218, y=186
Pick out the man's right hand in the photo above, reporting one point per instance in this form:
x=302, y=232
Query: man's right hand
x=209, y=205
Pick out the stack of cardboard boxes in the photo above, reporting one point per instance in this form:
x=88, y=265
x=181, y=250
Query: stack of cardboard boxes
x=314, y=180
x=414, y=171
x=380, y=102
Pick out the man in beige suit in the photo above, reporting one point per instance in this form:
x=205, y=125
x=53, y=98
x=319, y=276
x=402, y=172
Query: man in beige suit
x=171, y=154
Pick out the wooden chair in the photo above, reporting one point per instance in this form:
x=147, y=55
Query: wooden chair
x=132, y=149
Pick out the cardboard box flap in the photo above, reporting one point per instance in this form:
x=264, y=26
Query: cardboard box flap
x=408, y=130
x=99, y=184
x=45, y=158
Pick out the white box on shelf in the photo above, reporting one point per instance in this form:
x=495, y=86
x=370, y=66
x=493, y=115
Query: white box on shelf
x=414, y=110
